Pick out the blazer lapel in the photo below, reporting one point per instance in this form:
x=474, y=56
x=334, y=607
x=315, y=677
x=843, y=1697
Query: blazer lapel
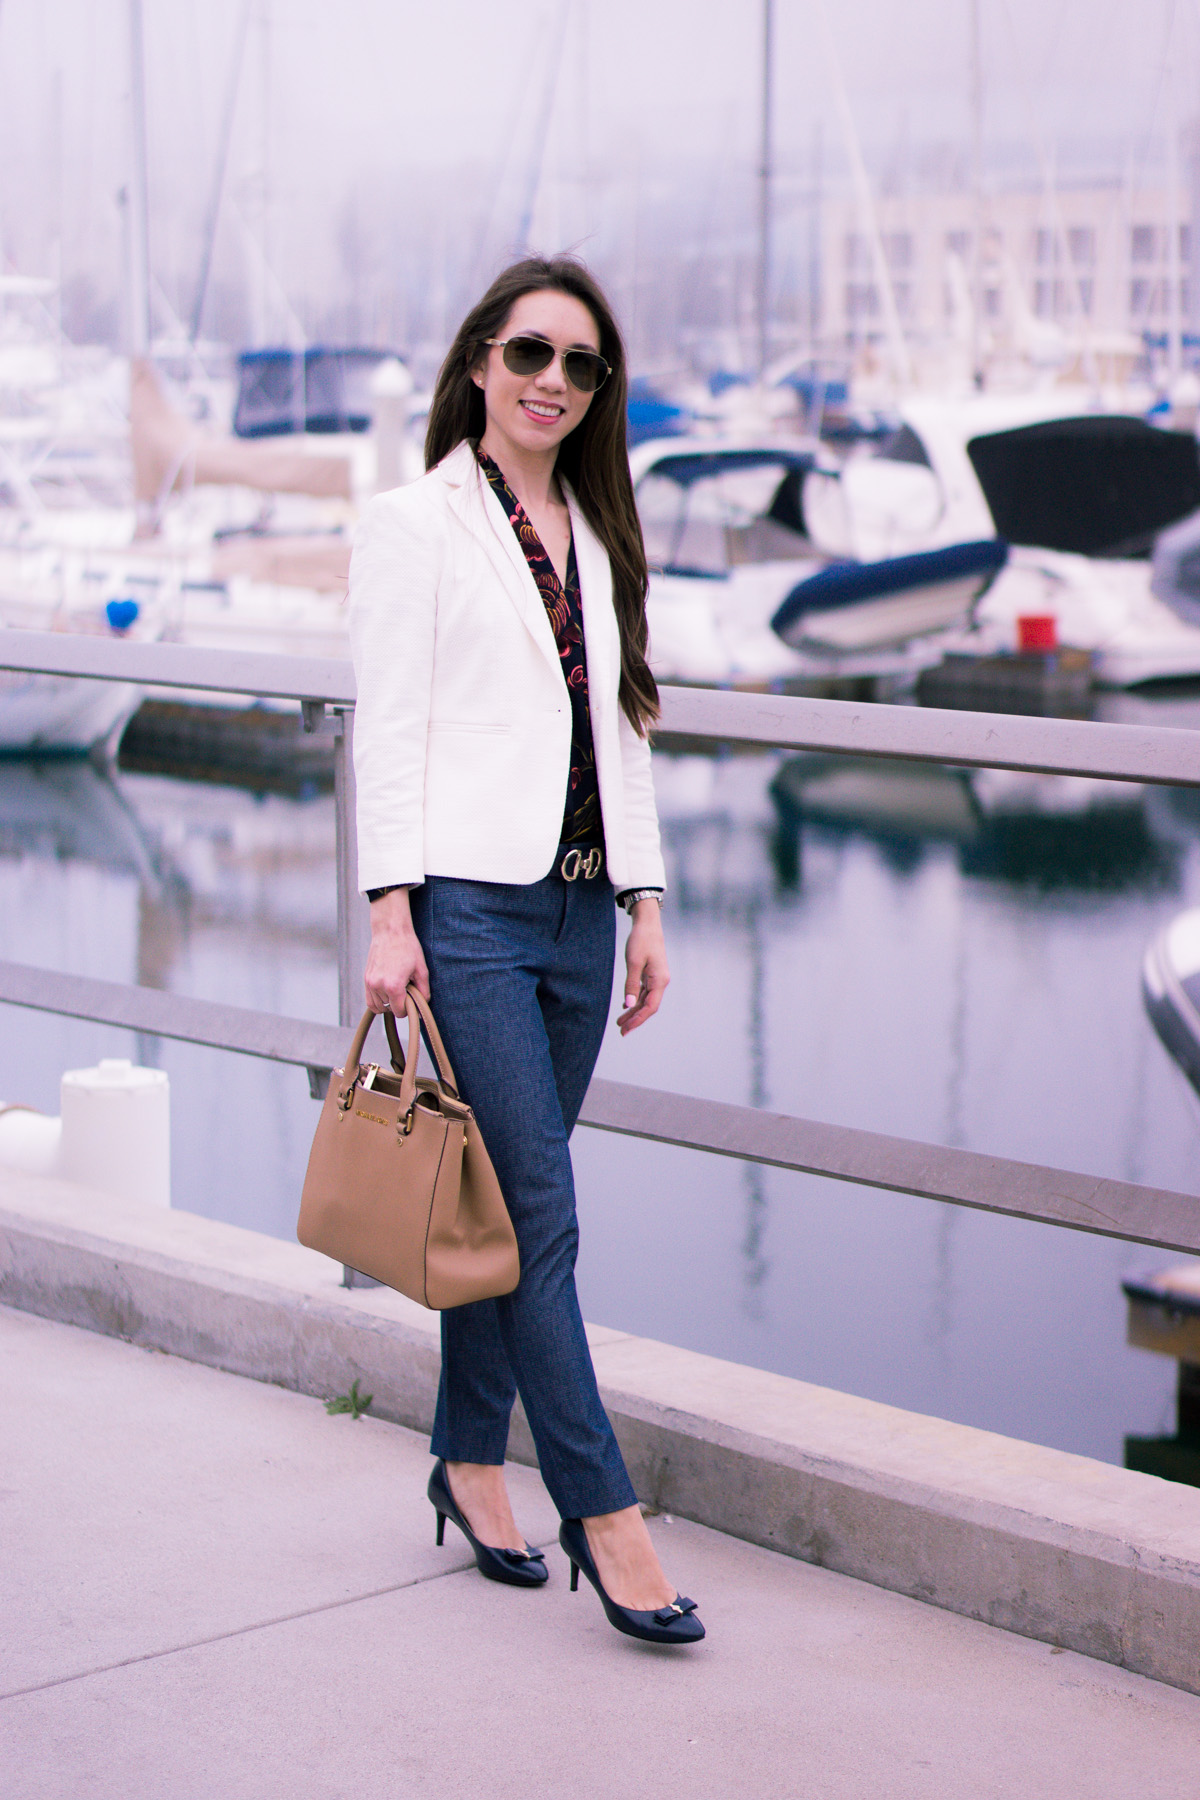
x=476, y=506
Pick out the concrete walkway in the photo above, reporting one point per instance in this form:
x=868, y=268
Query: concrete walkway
x=212, y=1590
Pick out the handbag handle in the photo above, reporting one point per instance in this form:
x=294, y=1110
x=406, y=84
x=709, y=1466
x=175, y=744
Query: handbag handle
x=352, y=1073
x=418, y=1013
x=445, y=1072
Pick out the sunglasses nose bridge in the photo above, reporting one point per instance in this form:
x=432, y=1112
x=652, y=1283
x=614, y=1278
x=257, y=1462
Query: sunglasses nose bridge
x=555, y=371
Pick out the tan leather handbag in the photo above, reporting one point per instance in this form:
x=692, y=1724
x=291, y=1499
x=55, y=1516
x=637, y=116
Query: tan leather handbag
x=399, y=1184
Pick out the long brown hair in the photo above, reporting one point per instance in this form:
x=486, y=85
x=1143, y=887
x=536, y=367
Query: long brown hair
x=592, y=458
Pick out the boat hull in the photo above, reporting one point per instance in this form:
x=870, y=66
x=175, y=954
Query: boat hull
x=41, y=714
x=1171, y=990
x=853, y=606
x=893, y=619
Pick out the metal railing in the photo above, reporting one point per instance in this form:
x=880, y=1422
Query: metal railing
x=969, y=1178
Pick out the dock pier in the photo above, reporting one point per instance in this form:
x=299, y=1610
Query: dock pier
x=222, y=1589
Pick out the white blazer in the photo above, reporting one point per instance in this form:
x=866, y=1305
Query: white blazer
x=462, y=729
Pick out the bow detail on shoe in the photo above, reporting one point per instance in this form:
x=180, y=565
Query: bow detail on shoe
x=678, y=1609
x=517, y=1557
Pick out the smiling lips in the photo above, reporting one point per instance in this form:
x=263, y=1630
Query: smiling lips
x=541, y=409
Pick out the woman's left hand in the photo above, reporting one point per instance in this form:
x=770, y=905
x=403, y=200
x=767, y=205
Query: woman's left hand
x=646, y=972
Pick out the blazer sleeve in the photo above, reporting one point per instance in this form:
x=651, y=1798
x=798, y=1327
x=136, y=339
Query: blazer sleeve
x=641, y=811
x=394, y=571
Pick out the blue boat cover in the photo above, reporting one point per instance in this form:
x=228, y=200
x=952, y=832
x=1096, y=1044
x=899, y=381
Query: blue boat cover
x=721, y=380
x=1102, y=485
x=319, y=389
x=850, y=583
x=701, y=465
x=650, y=416
x=816, y=391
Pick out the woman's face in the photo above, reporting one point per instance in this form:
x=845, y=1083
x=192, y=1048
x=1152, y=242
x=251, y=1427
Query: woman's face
x=536, y=412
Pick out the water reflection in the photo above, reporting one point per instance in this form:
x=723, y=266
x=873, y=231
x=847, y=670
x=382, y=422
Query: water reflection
x=940, y=1321
x=190, y=889
x=756, y=1266
x=939, y=953
x=1045, y=832
x=62, y=809
x=931, y=952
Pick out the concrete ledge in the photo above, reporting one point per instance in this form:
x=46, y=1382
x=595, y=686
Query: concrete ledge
x=1057, y=1547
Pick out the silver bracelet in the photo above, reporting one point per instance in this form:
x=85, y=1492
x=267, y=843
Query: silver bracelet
x=630, y=899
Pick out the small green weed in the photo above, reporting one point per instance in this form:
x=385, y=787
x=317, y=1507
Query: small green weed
x=354, y=1403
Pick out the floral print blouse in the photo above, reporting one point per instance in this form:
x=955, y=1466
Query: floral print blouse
x=582, y=821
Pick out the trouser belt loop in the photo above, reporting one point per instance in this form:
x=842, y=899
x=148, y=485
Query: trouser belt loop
x=586, y=863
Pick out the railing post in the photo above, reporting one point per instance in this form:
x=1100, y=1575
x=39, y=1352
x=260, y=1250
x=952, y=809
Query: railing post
x=353, y=913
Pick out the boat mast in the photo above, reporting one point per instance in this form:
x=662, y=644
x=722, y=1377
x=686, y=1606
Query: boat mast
x=765, y=178
x=1174, y=213
x=976, y=84
x=901, y=361
x=545, y=116
x=137, y=212
x=218, y=188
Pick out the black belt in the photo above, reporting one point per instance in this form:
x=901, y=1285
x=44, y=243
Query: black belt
x=576, y=862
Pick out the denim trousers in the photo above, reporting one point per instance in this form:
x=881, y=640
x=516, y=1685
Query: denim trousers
x=521, y=979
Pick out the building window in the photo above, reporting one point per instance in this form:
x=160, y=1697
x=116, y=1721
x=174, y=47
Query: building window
x=1185, y=243
x=1147, y=297
x=993, y=303
x=1143, y=298
x=958, y=243
x=902, y=295
x=1045, y=247
x=1081, y=246
x=898, y=249
x=858, y=253
x=862, y=301
x=1058, y=299
x=1143, y=243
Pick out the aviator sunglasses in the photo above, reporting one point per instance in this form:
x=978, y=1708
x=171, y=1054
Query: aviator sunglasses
x=584, y=369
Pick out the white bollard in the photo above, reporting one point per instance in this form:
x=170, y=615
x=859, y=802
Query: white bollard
x=29, y=1140
x=116, y=1130
x=391, y=386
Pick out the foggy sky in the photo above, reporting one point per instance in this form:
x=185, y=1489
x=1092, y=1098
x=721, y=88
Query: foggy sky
x=384, y=151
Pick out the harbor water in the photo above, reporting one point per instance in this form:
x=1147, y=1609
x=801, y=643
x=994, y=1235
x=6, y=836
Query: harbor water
x=930, y=953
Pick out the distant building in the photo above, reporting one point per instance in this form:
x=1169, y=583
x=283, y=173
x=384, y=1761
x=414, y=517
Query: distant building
x=1091, y=263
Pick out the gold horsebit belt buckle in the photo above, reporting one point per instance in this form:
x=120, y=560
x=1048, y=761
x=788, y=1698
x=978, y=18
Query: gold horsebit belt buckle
x=585, y=863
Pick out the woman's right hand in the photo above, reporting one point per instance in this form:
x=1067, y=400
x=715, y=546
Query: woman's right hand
x=395, y=958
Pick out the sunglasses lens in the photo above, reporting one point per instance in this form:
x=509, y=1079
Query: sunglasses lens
x=585, y=370
x=527, y=355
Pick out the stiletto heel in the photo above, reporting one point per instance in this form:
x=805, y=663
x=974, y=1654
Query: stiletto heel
x=519, y=1568
x=673, y=1624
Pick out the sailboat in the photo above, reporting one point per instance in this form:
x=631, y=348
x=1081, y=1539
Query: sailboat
x=227, y=540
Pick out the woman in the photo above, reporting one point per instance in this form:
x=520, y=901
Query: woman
x=504, y=800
